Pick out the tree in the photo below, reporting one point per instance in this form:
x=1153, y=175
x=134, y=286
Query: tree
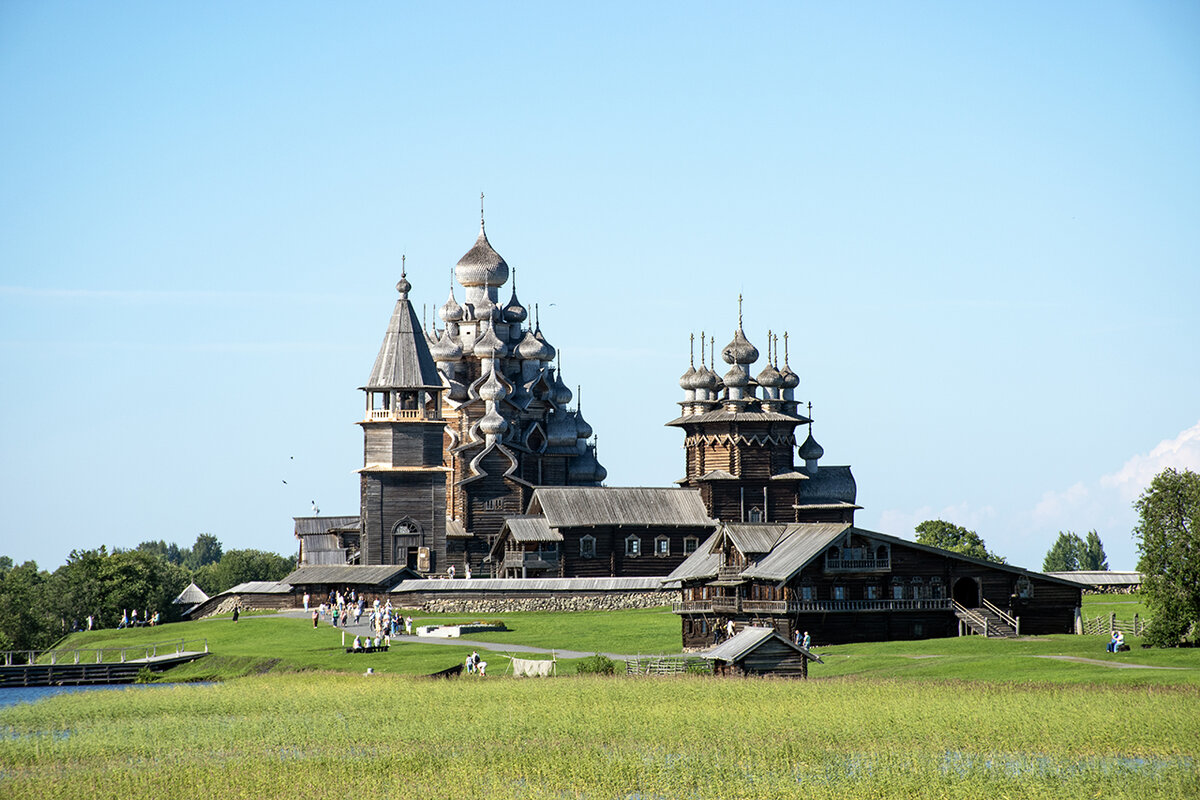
x=1065, y=555
x=241, y=566
x=25, y=623
x=948, y=536
x=1093, y=557
x=1168, y=539
x=206, y=550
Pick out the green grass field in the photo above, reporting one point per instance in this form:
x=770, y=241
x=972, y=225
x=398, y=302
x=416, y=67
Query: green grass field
x=336, y=735
x=292, y=714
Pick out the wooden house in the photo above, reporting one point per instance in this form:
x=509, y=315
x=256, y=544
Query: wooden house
x=601, y=532
x=760, y=651
x=841, y=583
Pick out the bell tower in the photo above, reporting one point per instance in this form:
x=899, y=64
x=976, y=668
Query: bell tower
x=740, y=437
x=403, y=479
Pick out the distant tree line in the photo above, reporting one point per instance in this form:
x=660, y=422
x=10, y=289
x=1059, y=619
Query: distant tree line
x=1070, y=553
x=38, y=607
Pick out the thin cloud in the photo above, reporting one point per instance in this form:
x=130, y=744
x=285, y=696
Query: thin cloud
x=1182, y=452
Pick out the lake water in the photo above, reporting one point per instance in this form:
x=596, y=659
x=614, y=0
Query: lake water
x=30, y=694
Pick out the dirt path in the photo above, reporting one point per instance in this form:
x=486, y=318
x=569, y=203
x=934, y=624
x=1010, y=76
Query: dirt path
x=1113, y=664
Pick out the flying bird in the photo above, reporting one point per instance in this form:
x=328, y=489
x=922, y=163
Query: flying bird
x=316, y=511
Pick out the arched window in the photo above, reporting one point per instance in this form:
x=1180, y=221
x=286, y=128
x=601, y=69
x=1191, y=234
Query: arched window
x=755, y=515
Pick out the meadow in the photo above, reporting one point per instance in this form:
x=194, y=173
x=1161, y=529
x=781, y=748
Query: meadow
x=338, y=735
x=293, y=714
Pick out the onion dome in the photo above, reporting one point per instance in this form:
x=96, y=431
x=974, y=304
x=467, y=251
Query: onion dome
x=403, y=286
x=493, y=424
x=706, y=379
x=687, y=380
x=481, y=266
x=533, y=349
x=451, y=311
x=790, y=379
x=537, y=334
x=492, y=390
x=489, y=345
x=810, y=450
x=446, y=349
x=485, y=309
x=582, y=468
x=521, y=396
x=560, y=430
x=601, y=472
x=561, y=394
x=736, y=378
x=582, y=429
x=513, y=310
x=770, y=377
x=739, y=351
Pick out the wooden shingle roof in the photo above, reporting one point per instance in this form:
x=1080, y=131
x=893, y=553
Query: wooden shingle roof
x=746, y=641
x=404, y=360
x=585, y=506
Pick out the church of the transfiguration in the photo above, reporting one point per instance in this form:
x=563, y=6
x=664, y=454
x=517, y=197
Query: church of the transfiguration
x=462, y=422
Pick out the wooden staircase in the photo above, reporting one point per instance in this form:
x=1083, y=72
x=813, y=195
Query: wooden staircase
x=987, y=620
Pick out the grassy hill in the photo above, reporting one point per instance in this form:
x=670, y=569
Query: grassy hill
x=273, y=643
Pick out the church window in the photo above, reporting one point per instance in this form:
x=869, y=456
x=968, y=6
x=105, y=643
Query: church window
x=587, y=546
x=690, y=544
x=633, y=546
x=662, y=546
x=755, y=515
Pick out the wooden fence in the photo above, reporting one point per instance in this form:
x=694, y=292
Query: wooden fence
x=1105, y=626
x=667, y=665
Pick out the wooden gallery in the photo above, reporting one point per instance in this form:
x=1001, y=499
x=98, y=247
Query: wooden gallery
x=476, y=464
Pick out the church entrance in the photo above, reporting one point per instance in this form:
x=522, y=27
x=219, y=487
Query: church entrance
x=407, y=542
x=966, y=592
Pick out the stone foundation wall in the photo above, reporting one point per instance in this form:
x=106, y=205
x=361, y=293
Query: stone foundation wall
x=500, y=603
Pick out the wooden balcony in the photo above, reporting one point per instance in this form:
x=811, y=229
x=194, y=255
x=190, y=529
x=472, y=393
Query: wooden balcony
x=726, y=605
x=389, y=415
x=858, y=565
x=729, y=573
x=735, y=605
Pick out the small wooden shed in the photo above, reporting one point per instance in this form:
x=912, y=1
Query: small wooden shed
x=760, y=651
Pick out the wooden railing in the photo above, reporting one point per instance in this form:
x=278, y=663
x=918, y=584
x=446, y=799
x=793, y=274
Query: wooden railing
x=733, y=605
x=403, y=413
x=535, y=559
x=978, y=622
x=857, y=564
x=100, y=655
x=1013, y=622
x=1109, y=624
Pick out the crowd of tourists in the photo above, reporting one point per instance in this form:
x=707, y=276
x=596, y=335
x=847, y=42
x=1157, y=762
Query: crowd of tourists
x=340, y=607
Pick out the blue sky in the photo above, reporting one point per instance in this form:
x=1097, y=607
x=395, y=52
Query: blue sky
x=978, y=223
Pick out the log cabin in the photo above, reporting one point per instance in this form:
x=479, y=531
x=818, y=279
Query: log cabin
x=840, y=583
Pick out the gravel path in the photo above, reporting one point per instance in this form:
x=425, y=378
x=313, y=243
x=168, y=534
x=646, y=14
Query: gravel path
x=363, y=629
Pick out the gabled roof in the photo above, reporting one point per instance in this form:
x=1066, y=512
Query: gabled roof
x=382, y=576
x=324, y=524
x=404, y=361
x=746, y=641
x=754, y=538
x=700, y=564
x=1100, y=577
x=584, y=506
x=799, y=544
x=260, y=587
x=531, y=529
x=192, y=595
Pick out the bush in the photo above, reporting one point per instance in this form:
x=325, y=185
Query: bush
x=597, y=665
